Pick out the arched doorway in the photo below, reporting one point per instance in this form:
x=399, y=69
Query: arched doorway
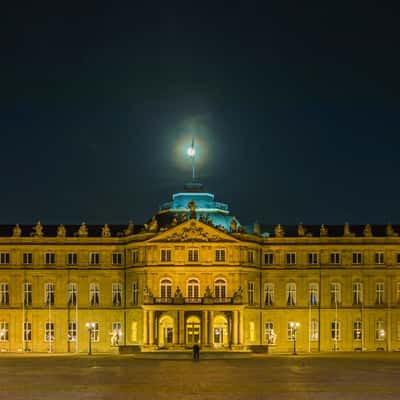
x=166, y=331
x=192, y=330
x=220, y=333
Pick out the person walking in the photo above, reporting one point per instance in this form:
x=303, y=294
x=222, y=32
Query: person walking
x=196, y=352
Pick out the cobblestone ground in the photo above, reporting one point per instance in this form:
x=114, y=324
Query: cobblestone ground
x=357, y=376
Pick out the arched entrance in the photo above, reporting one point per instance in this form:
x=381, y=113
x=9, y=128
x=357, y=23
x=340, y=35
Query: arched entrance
x=166, y=331
x=220, y=333
x=192, y=330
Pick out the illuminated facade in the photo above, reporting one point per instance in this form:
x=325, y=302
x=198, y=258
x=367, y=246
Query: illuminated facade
x=194, y=274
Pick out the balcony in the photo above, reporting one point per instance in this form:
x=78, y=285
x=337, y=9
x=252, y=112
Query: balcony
x=188, y=300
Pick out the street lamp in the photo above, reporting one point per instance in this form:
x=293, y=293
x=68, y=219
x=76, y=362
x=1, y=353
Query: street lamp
x=90, y=326
x=294, y=326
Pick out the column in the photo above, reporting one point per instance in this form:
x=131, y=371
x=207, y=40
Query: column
x=175, y=332
x=181, y=327
x=235, y=327
x=145, y=327
x=241, y=338
x=205, y=327
x=151, y=328
x=211, y=330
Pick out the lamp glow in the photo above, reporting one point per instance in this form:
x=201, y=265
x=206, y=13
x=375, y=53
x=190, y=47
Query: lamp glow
x=191, y=152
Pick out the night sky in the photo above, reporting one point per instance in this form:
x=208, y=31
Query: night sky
x=295, y=109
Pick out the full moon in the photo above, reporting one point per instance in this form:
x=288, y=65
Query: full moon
x=191, y=152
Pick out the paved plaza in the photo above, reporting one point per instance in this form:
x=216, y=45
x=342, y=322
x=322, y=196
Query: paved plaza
x=333, y=376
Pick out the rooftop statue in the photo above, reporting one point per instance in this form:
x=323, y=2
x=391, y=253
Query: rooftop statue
x=323, y=231
x=202, y=217
x=367, y=230
x=257, y=228
x=17, y=231
x=178, y=292
x=390, y=231
x=207, y=293
x=279, y=231
x=129, y=229
x=300, y=230
x=192, y=209
x=37, y=230
x=346, y=230
x=152, y=226
x=233, y=225
x=183, y=217
x=61, y=231
x=105, y=231
x=82, y=231
x=174, y=221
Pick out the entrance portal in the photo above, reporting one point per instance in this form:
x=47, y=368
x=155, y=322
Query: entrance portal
x=192, y=330
x=166, y=331
x=220, y=334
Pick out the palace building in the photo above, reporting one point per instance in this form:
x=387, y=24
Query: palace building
x=194, y=274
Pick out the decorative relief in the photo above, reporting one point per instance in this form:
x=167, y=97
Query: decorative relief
x=192, y=233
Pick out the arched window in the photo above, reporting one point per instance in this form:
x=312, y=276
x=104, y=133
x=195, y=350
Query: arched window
x=220, y=288
x=357, y=293
x=291, y=294
x=336, y=293
x=193, y=288
x=269, y=294
x=313, y=294
x=166, y=288
x=94, y=294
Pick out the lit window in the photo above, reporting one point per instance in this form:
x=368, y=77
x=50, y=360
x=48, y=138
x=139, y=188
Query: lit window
x=27, y=294
x=268, y=258
x=4, y=258
x=335, y=258
x=94, y=258
x=291, y=294
x=193, y=255
x=27, y=258
x=357, y=330
x=27, y=331
x=49, y=332
x=71, y=331
x=269, y=332
x=72, y=293
x=3, y=331
x=50, y=258
x=313, y=294
x=380, y=293
x=357, y=258
x=116, y=329
x=335, y=330
x=117, y=258
x=291, y=331
x=313, y=258
x=49, y=294
x=220, y=288
x=165, y=255
x=116, y=294
x=314, y=330
x=94, y=294
x=95, y=334
x=290, y=258
x=380, y=257
x=250, y=293
x=4, y=295
x=72, y=259
x=135, y=293
x=220, y=255
x=269, y=294
x=357, y=293
x=336, y=293
x=380, y=330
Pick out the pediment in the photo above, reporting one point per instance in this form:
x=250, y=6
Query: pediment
x=193, y=231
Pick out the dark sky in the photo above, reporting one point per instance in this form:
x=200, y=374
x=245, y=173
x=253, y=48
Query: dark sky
x=297, y=108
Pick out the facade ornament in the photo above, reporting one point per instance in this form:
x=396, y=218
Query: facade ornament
x=323, y=231
x=183, y=217
x=174, y=221
x=300, y=230
x=241, y=229
x=238, y=296
x=17, y=231
x=367, y=230
x=346, y=230
x=279, y=231
x=257, y=228
x=148, y=297
x=207, y=293
x=37, y=230
x=152, y=226
x=192, y=233
x=61, y=231
x=82, y=231
x=192, y=209
x=115, y=334
x=178, y=298
x=105, y=231
x=390, y=231
x=129, y=229
x=202, y=218
x=233, y=225
x=271, y=337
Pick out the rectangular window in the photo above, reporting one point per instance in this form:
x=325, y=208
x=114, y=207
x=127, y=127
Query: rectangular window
x=27, y=258
x=50, y=258
x=291, y=294
x=357, y=258
x=380, y=293
x=27, y=294
x=117, y=258
x=135, y=256
x=72, y=293
x=268, y=258
x=4, y=258
x=94, y=294
x=250, y=256
x=165, y=255
x=290, y=258
x=3, y=331
x=336, y=295
x=4, y=295
x=193, y=255
x=335, y=330
x=49, y=294
x=220, y=255
x=357, y=330
x=71, y=331
x=269, y=294
x=335, y=258
x=380, y=257
x=72, y=259
x=291, y=331
x=314, y=330
x=380, y=330
x=49, y=332
x=94, y=258
x=95, y=334
x=250, y=293
x=135, y=293
x=269, y=332
x=27, y=331
x=116, y=294
x=312, y=258
x=357, y=293
x=313, y=294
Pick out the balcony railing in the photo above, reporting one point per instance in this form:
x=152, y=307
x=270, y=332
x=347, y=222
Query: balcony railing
x=188, y=300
